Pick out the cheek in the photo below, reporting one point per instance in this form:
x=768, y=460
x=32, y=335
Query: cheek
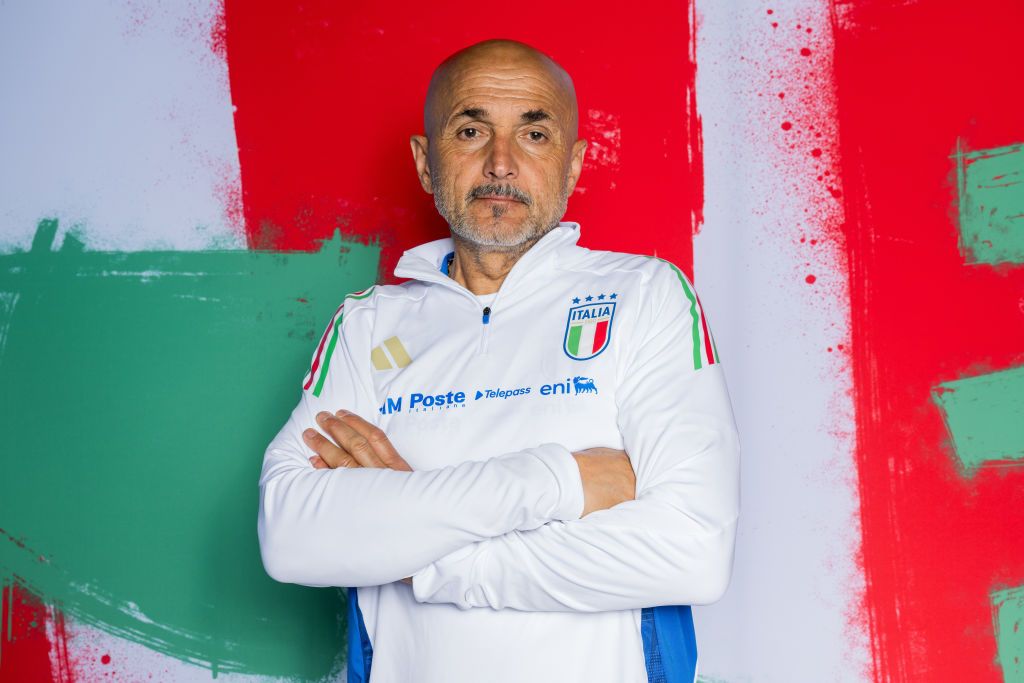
x=550, y=184
x=457, y=174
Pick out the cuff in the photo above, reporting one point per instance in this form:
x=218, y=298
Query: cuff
x=449, y=579
x=560, y=461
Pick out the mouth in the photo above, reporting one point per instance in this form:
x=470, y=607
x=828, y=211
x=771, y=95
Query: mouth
x=495, y=198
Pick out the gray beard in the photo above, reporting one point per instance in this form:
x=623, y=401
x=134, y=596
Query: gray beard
x=483, y=241
x=479, y=241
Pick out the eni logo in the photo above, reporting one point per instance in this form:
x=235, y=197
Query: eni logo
x=583, y=385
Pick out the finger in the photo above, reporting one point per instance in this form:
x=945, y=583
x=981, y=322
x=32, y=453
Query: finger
x=347, y=464
x=318, y=463
x=329, y=452
x=349, y=440
x=378, y=440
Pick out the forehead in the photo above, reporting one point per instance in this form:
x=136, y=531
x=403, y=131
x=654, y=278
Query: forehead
x=502, y=89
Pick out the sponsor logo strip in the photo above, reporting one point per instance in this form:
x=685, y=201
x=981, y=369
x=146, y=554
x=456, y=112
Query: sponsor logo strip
x=425, y=402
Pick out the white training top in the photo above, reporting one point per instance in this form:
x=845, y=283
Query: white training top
x=486, y=398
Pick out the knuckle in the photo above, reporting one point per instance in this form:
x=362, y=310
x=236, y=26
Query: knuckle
x=359, y=444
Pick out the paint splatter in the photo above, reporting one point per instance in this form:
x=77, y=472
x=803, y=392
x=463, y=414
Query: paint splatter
x=605, y=140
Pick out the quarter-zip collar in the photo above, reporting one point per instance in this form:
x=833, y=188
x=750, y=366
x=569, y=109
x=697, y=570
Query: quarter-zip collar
x=426, y=261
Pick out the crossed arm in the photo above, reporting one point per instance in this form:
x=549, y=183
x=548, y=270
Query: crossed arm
x=531, y=547
x=672, y=545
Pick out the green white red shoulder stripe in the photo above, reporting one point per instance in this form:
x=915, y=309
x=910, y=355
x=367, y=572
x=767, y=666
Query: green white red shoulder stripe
x=704, y=350
x=316, y=372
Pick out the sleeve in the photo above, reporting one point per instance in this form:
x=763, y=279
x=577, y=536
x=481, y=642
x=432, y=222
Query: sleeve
x=370, y=526
x=673, y=544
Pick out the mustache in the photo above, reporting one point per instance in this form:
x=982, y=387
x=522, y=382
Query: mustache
x=491, y=190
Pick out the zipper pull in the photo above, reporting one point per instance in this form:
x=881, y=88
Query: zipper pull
x=487, y=315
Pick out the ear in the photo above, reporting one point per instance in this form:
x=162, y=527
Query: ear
x=579, y=149
x=419, y=144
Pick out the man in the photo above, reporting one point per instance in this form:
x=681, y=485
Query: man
x=455, y=457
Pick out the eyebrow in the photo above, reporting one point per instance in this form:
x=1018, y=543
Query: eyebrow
x=532, y=116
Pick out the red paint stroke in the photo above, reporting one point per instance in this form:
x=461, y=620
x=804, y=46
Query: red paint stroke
x=25, y=656
x=934, y=542
x=327, y=94
x=62, y=661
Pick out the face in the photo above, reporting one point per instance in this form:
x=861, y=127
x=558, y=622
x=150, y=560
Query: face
x=502, y=158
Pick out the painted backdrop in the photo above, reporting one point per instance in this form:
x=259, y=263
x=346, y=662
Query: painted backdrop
x=188, y=189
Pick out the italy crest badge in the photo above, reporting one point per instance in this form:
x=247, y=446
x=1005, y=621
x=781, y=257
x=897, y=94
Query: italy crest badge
x=588, y=328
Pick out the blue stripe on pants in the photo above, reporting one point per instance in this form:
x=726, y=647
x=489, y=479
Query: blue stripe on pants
x=670, y=645
x=360, y=649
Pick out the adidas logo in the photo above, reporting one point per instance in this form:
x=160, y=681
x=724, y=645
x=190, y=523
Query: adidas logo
x=390, y=355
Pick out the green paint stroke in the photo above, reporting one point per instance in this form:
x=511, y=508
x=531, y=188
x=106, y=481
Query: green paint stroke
x=138, y=392
x=1008, y=614
x=984, y=417
x=990, y=185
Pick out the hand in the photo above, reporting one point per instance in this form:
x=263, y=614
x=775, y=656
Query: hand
x=608, y=478
x=356, y=443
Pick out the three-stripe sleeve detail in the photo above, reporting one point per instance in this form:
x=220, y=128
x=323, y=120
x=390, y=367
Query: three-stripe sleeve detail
x=703, y=342
x=322, y=360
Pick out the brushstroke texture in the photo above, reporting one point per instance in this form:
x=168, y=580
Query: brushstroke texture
x=1008, y=615
x=990, y=184
x=985, y=417
x=331, y=92
x=934, y=542
x=137, y=394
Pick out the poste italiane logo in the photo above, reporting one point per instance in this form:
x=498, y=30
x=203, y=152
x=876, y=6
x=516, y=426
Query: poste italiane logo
x=588, y=328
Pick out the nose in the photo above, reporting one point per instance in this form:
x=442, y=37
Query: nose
x=501, y=161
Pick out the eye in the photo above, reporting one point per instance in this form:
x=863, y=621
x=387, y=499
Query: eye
x=470, y=133
x=537, y=136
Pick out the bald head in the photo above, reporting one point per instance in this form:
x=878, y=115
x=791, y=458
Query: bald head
x=500, y=153
x=503, y=60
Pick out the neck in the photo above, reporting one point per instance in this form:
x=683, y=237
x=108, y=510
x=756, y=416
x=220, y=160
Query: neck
x=481, y=270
